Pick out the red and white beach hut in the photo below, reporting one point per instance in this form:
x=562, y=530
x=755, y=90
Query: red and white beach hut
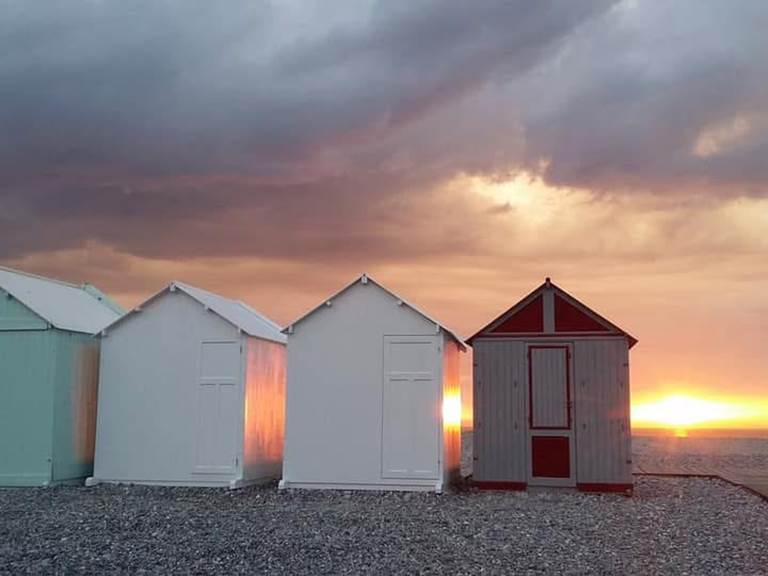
x=551, y=397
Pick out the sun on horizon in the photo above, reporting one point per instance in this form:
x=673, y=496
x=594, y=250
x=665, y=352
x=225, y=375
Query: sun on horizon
x=681, y=412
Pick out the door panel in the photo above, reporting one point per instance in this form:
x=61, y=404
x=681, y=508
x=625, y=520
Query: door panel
x=217, y=407
x=550, y=456
x=410, y=409
x=551, y=461
x=549, y=388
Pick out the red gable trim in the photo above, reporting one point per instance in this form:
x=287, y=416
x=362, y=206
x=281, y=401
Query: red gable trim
x=530, y=318
x=579, y=322
x=568, y=318
x=491, y=326
x=610, y=327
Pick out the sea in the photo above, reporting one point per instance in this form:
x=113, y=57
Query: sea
x=702, y=432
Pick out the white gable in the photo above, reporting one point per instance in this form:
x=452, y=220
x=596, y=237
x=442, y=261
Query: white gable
x=365, y=279
x=64, y=306
x=237, y=313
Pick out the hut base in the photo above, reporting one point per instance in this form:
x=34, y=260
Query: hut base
x=605, y=487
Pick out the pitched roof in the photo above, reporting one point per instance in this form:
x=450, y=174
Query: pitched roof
x=78, y=308
x=570, y=318
x=364, y=279
x=237, y=313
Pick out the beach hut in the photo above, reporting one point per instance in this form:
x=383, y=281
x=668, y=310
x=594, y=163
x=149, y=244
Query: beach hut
x=551, y=397
x=191, y=393
x=372, y=396
x=49, y=363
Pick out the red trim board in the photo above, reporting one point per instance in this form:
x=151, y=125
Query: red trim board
x=604, y=487
x=499, y=485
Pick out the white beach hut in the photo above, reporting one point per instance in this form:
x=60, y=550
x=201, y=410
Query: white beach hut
x=191, y=392
x=372, y=396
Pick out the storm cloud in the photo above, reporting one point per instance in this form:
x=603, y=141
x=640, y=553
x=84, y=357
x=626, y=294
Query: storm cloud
x=316, y=129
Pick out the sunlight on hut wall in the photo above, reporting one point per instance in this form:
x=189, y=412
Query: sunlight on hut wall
x=264, y=408
x=451, y=410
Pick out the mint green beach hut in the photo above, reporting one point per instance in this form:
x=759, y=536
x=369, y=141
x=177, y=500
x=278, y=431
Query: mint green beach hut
x=49, y=363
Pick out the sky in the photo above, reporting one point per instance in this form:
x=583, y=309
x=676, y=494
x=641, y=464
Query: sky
x=459, y=152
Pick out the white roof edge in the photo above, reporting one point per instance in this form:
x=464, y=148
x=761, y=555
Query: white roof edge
x=252, y=310
x=44, y=278
x=273, y=331
x=69, y=296
x=190, y=291
x=364, y=278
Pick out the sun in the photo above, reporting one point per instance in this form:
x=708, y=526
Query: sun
x=681, y=411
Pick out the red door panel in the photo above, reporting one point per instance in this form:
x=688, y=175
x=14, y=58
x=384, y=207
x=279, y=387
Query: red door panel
x=551, y=456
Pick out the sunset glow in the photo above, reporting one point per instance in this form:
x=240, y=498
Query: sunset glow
x=682, y=411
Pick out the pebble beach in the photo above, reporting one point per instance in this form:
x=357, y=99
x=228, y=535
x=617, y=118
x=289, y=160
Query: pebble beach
x=669, y=526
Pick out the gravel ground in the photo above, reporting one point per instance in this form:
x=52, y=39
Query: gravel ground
x=670, y=526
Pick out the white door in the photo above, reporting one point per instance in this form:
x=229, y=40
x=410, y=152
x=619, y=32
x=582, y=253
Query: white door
x=550, y=417
x=217, y=407
x=411, y=408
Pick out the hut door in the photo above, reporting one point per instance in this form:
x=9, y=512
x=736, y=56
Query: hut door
x=551, y=461
x=410, y=408
x=217, y=407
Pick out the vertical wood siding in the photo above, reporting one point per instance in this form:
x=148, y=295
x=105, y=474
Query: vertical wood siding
x=264, y=425
x=76, y=380
x=451, y=433
x=15, y=316
x=602, y=411
x=26, y=407
x=500, y=411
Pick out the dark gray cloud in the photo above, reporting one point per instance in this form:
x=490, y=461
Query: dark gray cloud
x=164, y=87
x=639, y=88
x=298, y=130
